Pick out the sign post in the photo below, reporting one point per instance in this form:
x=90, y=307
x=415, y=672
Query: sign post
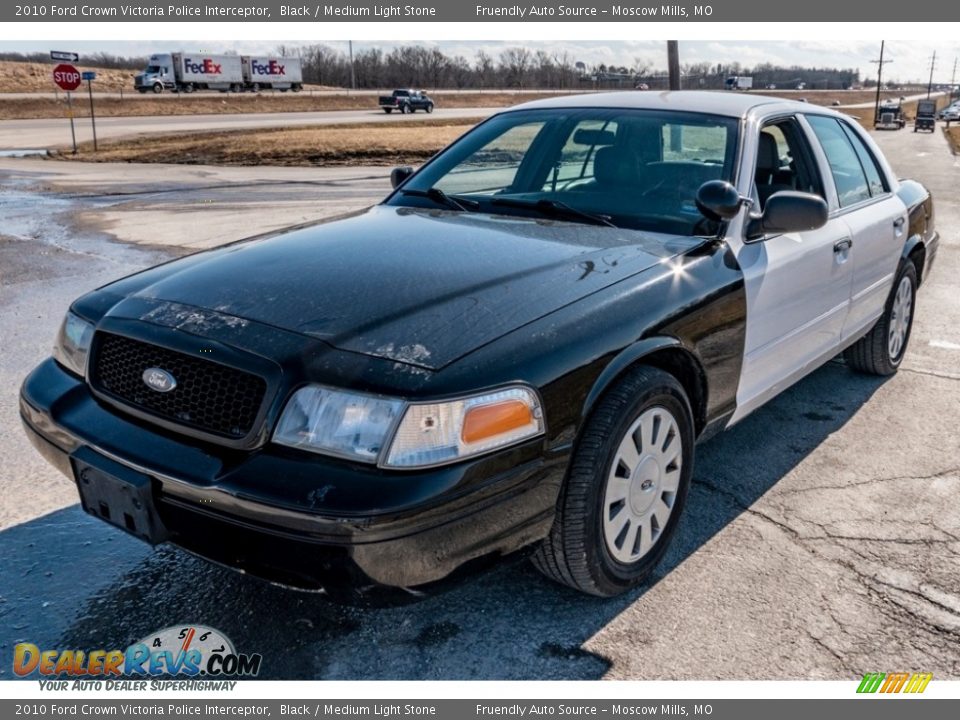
x=67, y=79
x=90, y=77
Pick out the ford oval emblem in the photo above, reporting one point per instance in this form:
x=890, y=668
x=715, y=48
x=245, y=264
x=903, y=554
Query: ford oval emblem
x=159, y=380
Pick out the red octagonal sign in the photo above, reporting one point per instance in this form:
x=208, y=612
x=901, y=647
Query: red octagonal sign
x=67, y=77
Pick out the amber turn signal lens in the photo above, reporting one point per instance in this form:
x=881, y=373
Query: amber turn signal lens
x=486, y=421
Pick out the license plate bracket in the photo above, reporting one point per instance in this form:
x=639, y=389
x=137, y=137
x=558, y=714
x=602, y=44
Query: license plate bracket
x=118, y=495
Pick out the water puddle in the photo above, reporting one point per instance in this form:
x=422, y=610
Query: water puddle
x=32, y=214
x=23, y=153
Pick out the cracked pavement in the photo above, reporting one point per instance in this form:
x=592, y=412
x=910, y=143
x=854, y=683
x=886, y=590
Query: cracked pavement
x=820, y=539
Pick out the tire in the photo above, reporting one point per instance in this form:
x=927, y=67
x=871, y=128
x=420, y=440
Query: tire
x=388, y=110
x=403, y=109
x=881, y=350
x=255, y=87
x=189, y=88
x=429, y=108
x=157, y=88
x=582, y=549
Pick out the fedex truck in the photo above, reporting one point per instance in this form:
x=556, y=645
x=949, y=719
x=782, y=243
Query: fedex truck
x=277, y=73
x=186, y=72
x=738, y=83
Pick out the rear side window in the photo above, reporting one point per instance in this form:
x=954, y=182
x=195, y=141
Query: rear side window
x=874, y=177
x=845, y=166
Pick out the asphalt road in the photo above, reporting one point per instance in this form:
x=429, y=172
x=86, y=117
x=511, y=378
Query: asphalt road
x=47, y=133
x=820, y=539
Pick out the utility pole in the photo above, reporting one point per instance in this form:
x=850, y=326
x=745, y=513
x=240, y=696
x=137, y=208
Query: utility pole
x=880, y=63
x=933, y=64
x=673, y=64
x=953, y=79
x=353, y=75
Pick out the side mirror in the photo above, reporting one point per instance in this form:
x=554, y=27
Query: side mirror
x=718, y=200
x=789, y=211
x=399, y=175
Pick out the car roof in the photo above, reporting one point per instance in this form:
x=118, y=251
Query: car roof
x=714, y=102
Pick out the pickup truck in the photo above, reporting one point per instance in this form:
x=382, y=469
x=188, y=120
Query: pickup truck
x=521, y=346
x=406, y=101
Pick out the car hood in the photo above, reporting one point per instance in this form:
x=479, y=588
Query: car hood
x=410, y=285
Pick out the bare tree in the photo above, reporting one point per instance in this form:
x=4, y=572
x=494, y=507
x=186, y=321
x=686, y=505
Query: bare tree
x=485, y=68
x=515, y=63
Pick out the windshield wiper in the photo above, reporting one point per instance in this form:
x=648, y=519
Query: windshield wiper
x=441, y=198
x=555, y=208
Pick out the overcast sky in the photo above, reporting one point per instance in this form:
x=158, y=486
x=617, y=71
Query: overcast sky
x=911, y=60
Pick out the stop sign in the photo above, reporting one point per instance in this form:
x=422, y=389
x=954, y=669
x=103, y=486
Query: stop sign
x=67, y=77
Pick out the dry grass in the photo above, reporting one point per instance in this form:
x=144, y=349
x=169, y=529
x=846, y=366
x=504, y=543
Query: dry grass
x=229, y=103
x=37, y=77
x=347, y=144
x=953, y=137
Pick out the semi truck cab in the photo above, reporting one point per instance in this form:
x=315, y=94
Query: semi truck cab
x=157, y=76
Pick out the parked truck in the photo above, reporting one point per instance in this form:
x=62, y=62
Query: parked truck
x=277, y=73
x=739, y=83
x=926, y=116
x=186, y=72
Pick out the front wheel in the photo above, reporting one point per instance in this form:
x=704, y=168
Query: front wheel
x=881, y=350
x=157, y=88
x=625, y=487
x=429, y=108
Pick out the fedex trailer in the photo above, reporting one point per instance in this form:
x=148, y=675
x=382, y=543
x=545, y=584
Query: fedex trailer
x=186, y=72
x=277, y=73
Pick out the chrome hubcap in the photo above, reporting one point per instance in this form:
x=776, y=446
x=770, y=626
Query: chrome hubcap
x=900, y=318
x=642, y=485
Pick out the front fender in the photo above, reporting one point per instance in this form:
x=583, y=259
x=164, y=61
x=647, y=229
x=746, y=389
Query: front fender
x=627, y=358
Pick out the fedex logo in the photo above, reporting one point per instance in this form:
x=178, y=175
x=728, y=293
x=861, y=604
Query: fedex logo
x=205, y=66
x=268, y=68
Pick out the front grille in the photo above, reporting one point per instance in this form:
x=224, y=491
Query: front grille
x=208, y=396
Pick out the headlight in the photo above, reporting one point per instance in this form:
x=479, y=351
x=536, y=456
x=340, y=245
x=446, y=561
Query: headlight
x=438, y=433
x=337, y=423
x=365, y=428
x=73, y=343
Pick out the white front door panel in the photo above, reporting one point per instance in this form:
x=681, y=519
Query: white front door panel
x=798, y=293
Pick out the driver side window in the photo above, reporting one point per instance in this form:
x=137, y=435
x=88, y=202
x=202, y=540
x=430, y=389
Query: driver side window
x=784, y=162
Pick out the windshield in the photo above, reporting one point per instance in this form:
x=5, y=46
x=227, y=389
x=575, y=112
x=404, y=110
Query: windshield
x=152, y=69
x=637, y=169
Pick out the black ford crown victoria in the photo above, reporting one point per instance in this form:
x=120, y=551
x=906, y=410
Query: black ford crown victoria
x=520, y=346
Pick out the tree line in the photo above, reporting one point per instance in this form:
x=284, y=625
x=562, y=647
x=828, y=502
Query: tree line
x=422, y=66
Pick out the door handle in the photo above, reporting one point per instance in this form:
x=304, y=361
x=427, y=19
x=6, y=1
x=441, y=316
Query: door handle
x=898, y=223
x=842, y=245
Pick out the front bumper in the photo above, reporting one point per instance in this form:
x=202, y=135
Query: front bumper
x=301, y=519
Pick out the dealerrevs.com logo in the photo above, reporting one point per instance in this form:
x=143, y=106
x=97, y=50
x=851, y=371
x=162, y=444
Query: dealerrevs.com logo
x=888, y=683
x=181, y=650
